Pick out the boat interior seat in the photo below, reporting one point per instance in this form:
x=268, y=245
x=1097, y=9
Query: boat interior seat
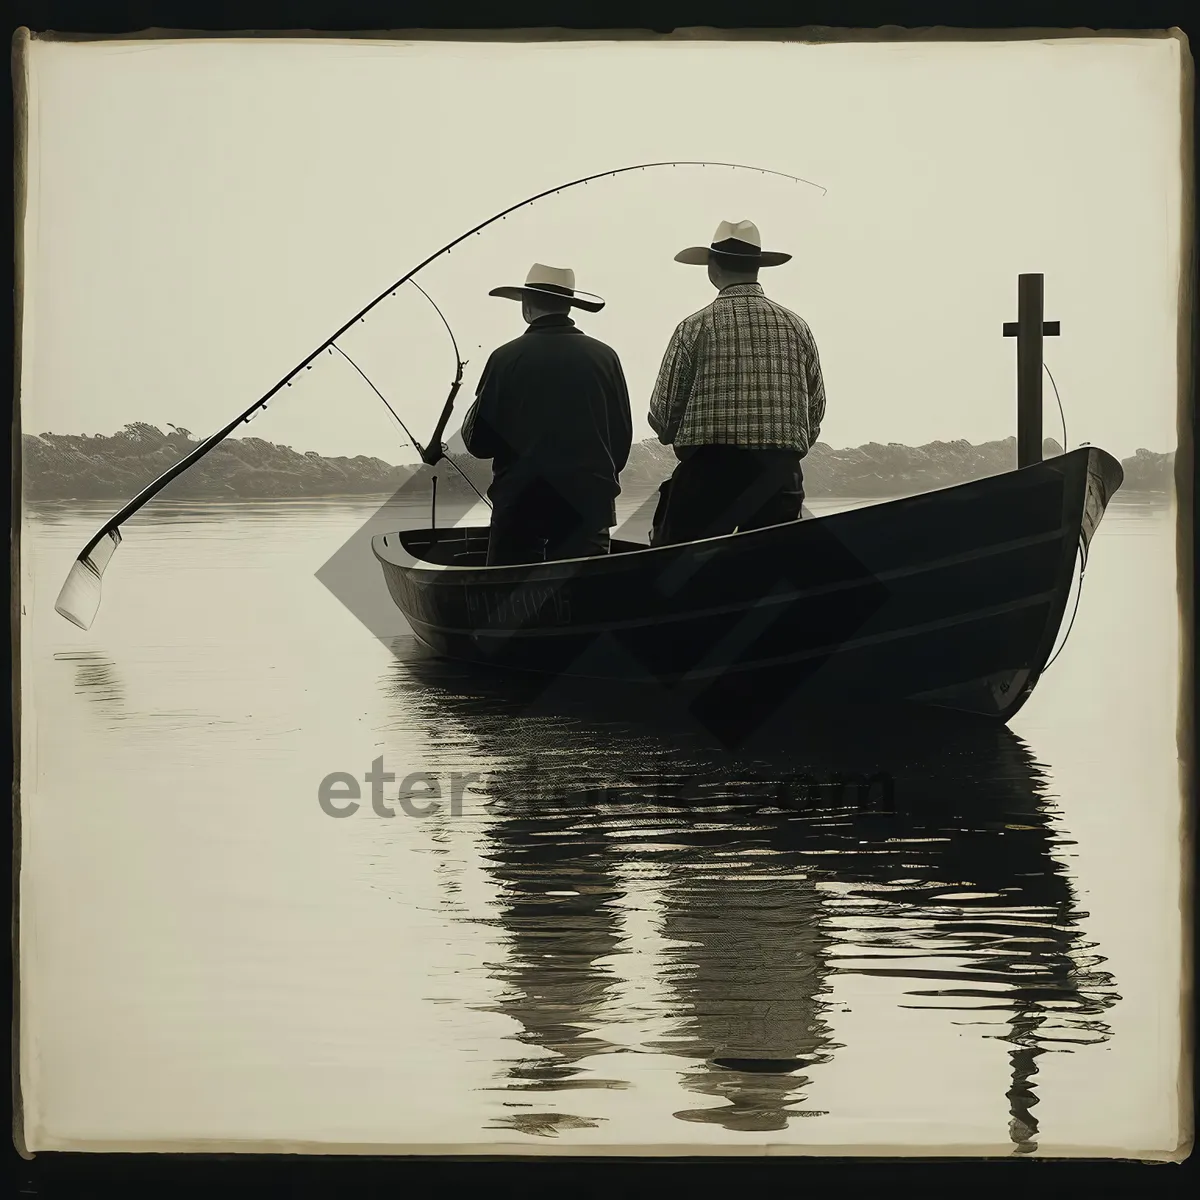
x=468, y=548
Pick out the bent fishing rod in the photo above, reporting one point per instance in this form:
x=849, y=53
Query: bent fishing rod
x=431, y=456
x=79, y=600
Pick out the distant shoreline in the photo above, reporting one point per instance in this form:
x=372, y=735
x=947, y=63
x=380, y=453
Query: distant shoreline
x=95, y=467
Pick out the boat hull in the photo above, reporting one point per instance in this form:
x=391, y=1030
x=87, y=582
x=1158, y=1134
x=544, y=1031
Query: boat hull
x=951, y=598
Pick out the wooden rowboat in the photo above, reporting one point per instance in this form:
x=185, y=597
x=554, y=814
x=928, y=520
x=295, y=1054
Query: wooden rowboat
x=953, y=598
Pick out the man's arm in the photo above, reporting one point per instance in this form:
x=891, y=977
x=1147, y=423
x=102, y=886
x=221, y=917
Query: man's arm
x=622, y=418
x=671, y=389
x=816, y=392
x=479, y=425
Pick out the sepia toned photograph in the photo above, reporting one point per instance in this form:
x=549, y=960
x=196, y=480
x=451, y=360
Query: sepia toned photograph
x=601, y=594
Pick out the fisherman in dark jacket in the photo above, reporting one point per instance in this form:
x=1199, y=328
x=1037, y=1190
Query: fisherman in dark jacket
x=552, y=413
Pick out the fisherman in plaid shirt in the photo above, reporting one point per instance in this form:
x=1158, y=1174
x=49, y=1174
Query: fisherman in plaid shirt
x=740, y=397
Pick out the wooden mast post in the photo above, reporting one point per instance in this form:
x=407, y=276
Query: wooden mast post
x=1029, y=329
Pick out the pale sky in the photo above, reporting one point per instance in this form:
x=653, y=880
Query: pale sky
x=203, y=214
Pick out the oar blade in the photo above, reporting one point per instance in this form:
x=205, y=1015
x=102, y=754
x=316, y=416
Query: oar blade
x=79, y=600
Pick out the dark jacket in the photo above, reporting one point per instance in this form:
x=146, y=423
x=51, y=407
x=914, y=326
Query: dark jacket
x=552, y=408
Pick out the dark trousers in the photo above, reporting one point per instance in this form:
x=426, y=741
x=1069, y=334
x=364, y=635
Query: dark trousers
x=543, y=528
x=717, y=489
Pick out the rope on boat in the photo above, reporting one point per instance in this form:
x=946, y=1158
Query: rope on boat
x=1057, y=397
x=1083, y=554
x=1083, y=548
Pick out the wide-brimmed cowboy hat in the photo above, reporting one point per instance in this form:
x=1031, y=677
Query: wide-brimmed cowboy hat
x=555, y=282
x=736, y=243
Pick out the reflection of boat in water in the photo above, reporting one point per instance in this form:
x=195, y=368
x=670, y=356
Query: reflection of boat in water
x=953, y=598
x=762, y=896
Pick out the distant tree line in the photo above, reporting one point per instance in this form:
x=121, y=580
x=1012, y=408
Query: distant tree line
x=59, y=466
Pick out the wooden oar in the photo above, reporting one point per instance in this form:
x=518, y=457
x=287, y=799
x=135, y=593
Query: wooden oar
x=79, y=600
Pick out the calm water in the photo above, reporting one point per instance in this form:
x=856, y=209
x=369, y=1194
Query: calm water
x=615, y=931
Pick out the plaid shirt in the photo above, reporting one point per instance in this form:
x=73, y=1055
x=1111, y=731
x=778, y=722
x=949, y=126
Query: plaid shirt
x=744, y=372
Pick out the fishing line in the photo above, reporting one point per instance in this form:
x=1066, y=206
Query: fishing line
x=1062, y=414
x=153, y=488
x=462, y=362
x=416, y=444
x=79, y=600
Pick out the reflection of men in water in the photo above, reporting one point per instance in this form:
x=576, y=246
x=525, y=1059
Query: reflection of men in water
x=954, y=894
x=739, y=395
x=747, y=964
x=552, y=413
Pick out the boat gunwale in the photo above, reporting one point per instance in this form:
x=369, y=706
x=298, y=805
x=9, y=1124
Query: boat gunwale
x=396, y=554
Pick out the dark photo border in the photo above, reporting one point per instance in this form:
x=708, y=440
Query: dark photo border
x=84, y=1175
